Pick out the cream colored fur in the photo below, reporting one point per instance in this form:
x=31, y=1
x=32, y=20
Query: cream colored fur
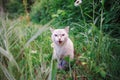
x=62, y=45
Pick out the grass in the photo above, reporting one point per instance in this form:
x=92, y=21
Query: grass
x=26, y=54
x=20, y=49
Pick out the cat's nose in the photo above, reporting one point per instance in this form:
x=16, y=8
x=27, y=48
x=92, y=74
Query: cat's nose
x=59, y=39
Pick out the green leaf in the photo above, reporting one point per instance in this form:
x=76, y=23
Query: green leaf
x=53, y=70
x=67, y=58
x=55, y=15
x=102, y=2
x=103, y=73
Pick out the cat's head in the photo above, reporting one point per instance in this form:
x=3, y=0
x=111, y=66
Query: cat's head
x=59, y=36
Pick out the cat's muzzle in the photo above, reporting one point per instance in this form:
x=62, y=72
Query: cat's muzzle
x=60, y=41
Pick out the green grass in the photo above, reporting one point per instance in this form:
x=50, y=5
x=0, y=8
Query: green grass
x=26, y=52
x=22, y=47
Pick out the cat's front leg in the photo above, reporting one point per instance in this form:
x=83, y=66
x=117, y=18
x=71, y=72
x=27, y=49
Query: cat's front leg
x=54, y=55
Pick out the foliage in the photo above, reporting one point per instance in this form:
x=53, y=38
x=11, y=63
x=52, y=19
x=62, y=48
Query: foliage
x=65, y=13
x=44, y=10
x=17, y=48
x=14, y=8
x=25, y=51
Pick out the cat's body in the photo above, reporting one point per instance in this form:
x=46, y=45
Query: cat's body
x=62, y=44
x=65, y=50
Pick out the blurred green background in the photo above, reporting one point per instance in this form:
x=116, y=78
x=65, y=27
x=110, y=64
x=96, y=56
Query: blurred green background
x=25, y=39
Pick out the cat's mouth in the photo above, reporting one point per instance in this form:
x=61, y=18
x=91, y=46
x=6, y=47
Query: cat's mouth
x=60, y=42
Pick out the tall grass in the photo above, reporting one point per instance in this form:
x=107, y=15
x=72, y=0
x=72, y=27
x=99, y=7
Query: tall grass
x=26, y=54
x=22, y=56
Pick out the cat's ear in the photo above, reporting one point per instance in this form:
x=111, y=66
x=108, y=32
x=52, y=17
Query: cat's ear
x=51, y=29
x=67, y=29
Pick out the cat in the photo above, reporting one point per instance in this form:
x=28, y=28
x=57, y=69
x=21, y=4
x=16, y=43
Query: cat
x=62, y=45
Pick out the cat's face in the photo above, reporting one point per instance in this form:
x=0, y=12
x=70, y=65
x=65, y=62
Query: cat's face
x=59, y=36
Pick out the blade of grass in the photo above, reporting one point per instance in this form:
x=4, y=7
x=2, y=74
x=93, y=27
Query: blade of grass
x=45, y=27
x=9, y=56
x=39, y=32
x=6, y=72
x=53, y=70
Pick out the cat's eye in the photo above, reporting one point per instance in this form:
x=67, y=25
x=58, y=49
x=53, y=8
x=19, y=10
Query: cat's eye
x=55, y=34
x=63, y=34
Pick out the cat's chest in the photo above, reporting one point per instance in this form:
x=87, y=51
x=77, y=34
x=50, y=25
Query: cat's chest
x=60, y=50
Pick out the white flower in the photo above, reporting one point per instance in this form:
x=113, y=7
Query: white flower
x=34, y=51
x=77, y=2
